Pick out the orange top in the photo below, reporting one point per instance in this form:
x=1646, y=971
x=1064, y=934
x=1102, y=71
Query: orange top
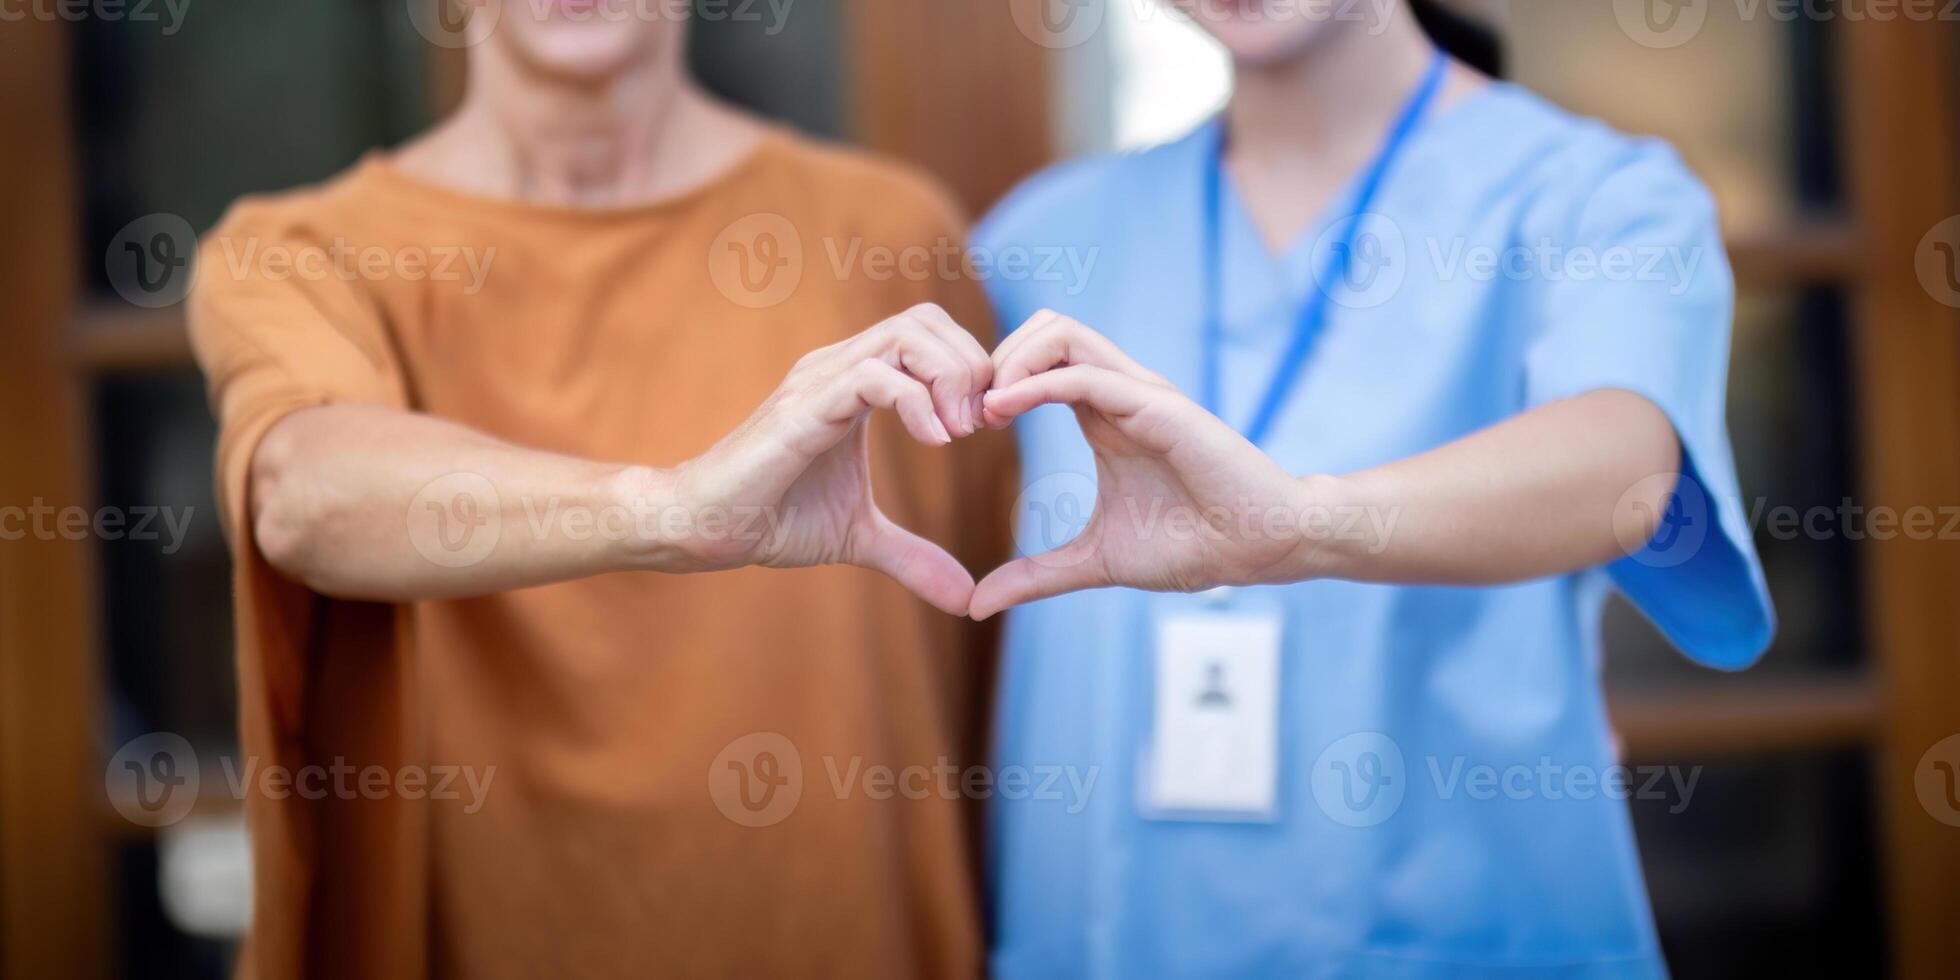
x=646, y=731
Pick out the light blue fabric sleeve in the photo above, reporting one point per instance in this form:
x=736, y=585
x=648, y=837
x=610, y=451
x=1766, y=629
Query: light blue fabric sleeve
x=1652, y=315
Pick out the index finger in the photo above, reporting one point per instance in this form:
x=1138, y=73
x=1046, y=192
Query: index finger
x=1049, y=340
x=1085, y=385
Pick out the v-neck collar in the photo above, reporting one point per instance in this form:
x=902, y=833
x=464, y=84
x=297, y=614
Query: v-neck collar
x=1294, y=263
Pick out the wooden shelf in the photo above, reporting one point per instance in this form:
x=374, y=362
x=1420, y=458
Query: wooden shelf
x=1808, y=252
x=1742, y=714
x=108, y=337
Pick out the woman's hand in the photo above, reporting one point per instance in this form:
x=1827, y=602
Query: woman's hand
x=797, y=474
x=367, y=502
x=1183, y=502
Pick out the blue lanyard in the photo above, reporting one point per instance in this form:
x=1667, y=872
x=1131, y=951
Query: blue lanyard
x=1313, y=313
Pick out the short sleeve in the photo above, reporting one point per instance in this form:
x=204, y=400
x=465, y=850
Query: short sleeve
x=1645, y=303
x=273, y=336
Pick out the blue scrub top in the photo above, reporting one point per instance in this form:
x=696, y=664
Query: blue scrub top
x=1448, y=802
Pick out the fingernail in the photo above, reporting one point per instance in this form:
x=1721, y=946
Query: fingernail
x=939, y=429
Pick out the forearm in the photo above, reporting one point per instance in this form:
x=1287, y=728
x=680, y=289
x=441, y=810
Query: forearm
x=365, y=502
x=1564, y=486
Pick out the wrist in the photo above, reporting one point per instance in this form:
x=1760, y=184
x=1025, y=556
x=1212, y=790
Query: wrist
x=1335, y=528
x=647, y=495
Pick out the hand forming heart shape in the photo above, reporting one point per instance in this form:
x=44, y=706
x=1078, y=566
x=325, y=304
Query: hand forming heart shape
x=1175, y=484
x=1183, y=502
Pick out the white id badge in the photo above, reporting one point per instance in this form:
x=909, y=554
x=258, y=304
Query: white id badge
x=1213, y=752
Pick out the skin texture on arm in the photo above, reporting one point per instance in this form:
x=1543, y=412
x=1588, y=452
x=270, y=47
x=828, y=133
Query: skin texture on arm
x=338, y=498
x=341, y=494
x=1560, y=487
x=1185, y=503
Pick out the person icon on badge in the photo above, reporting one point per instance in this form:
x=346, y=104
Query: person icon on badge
x=1215, y=695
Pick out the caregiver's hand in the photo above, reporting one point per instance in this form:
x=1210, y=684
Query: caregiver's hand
x=802, y=461
x=1184, y=503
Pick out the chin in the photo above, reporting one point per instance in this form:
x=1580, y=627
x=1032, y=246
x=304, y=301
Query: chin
x=579, y=43
x=578, y=58
x=1254, y=36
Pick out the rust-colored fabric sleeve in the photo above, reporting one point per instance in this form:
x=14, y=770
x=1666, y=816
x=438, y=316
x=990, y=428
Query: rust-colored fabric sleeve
x=272, y=340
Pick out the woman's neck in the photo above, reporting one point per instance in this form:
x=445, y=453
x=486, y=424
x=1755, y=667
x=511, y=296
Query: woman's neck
x=642, y=135
x=1329, y=102
x=1297, y=130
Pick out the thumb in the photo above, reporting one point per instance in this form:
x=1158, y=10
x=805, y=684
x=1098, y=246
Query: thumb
x=1069, y=568
x=919, y=565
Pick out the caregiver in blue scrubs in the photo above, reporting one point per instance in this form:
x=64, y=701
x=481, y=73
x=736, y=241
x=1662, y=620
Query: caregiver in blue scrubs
x=1381, y=381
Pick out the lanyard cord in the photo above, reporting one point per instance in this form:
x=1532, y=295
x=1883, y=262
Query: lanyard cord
x=1313, y=313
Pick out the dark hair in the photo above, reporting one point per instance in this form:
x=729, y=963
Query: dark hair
x=1465, y=38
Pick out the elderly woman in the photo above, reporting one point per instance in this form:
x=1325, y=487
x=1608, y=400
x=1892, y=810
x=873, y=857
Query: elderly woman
x=440, y=488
